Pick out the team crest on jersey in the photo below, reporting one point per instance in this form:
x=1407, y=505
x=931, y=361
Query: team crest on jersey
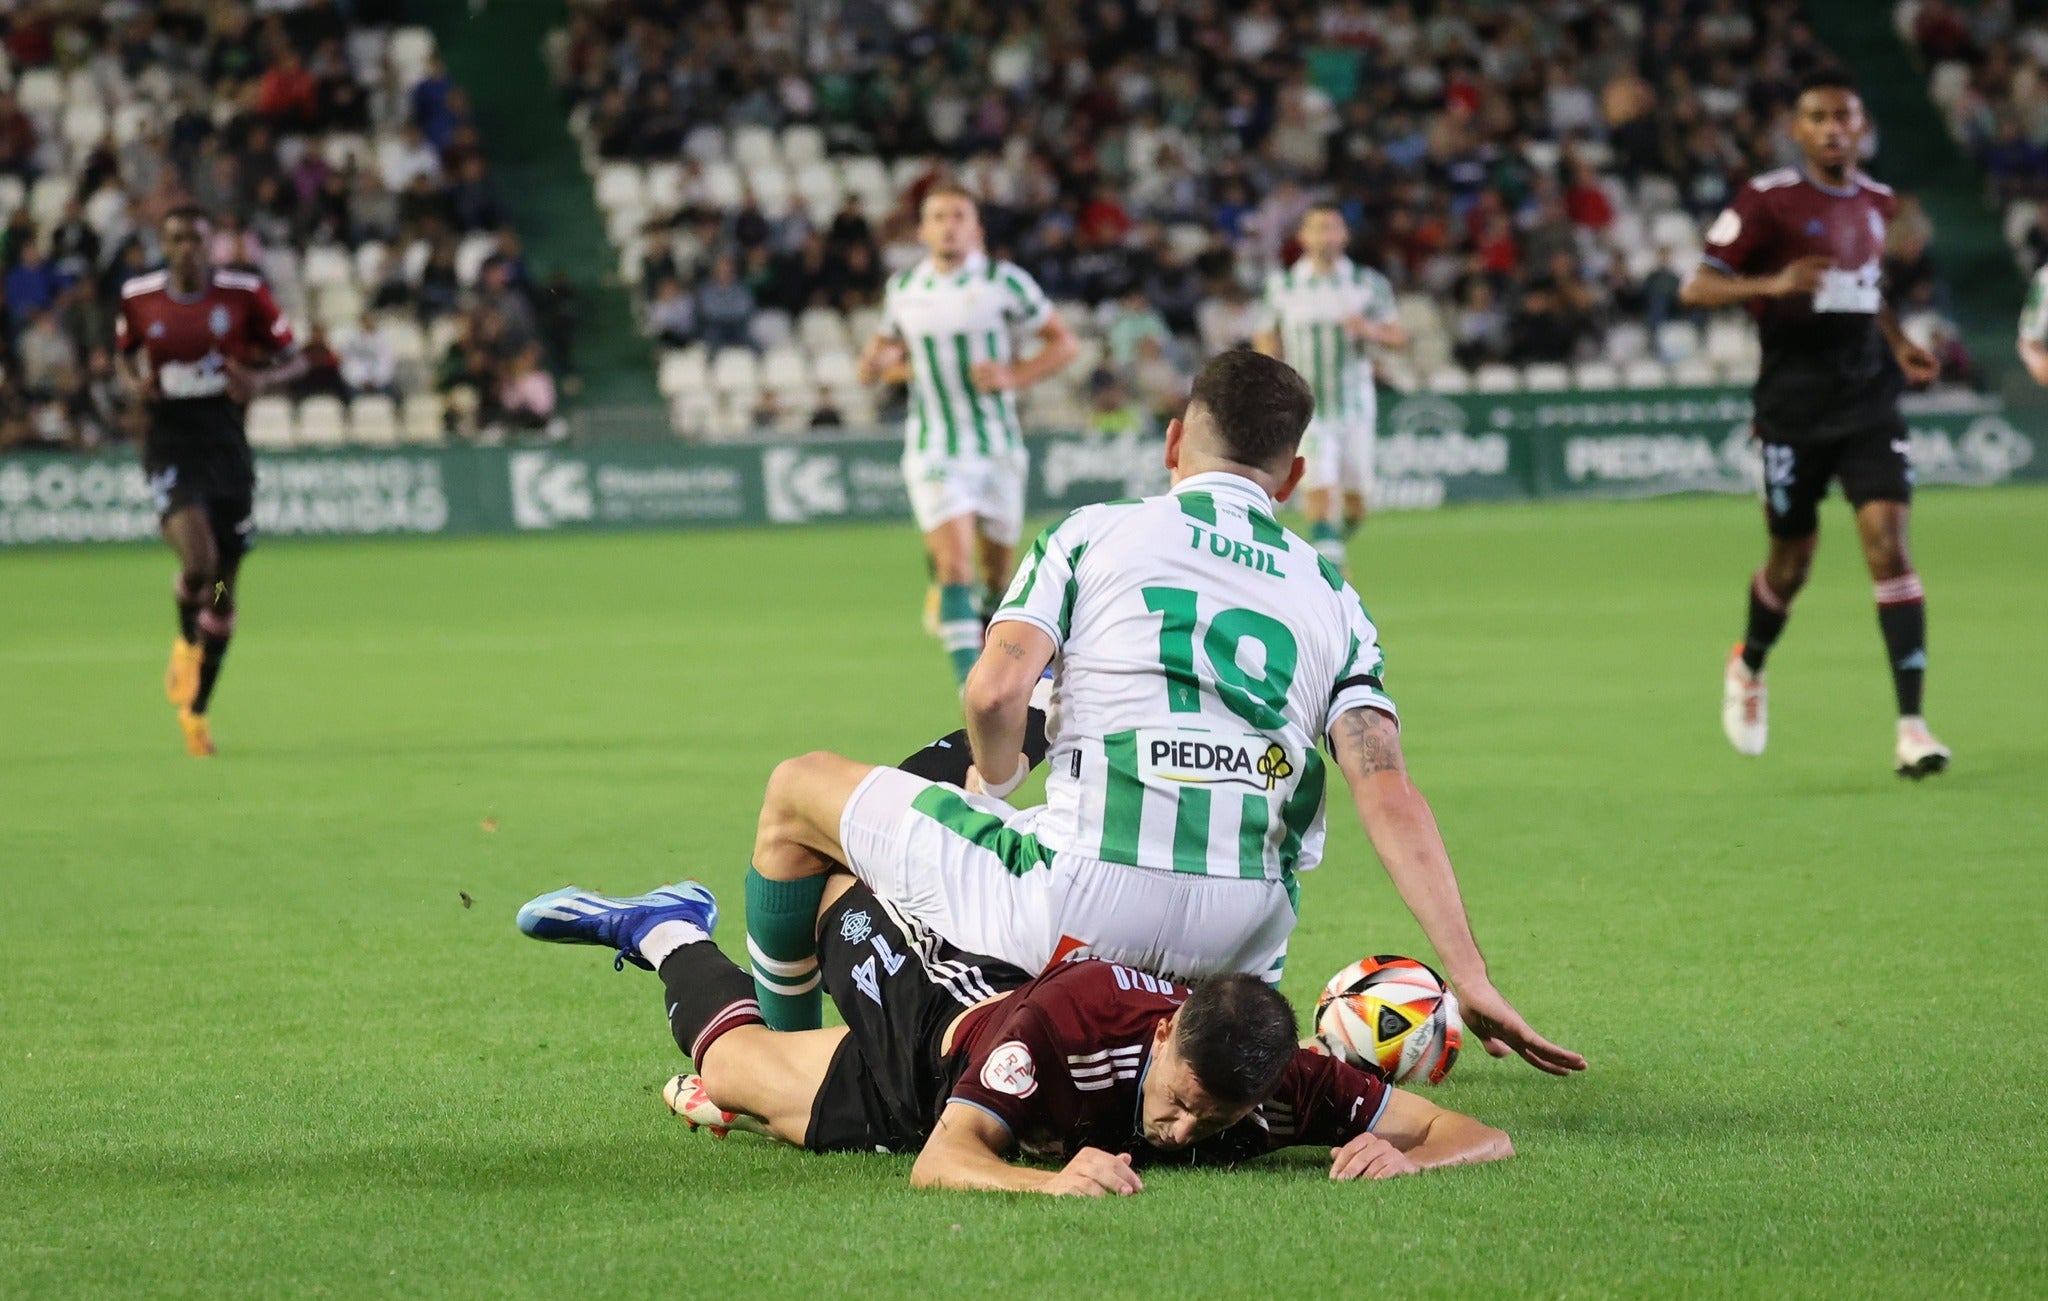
x=1203, y=759
x=855, y=927
x=217, y=321
x=1815, y=228
x=1010, y=1070
x=156, y=329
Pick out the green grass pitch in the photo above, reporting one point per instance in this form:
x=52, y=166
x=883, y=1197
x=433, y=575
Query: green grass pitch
x=254, y=1043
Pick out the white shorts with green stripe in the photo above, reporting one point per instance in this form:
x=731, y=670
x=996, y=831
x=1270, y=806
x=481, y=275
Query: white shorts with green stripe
x=990, y=488
x=1339, y=454
x=969, y=867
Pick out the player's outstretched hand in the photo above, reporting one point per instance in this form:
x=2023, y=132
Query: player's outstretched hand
x=1096, y=1173
x=1502, y=1030
x=1369, y=1157
x=1804, y=275
x=1920, y=365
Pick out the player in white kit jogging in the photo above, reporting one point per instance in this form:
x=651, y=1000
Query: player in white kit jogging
x=949, y=330
x=1201, y=652
x=1319, y=314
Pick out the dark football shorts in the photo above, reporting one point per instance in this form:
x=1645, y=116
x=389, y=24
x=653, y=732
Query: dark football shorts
x=196, y=455
x=1873, y=461
x=898, y=987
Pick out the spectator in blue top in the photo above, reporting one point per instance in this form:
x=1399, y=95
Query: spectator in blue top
x=33, y=286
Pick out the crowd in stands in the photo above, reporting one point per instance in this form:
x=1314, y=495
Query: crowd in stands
x=1533, y=177
x=332, y=153
x=1988, y=73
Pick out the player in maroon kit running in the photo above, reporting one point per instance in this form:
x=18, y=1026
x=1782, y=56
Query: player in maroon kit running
x=1801, y=247
x=966, y=1061
x=197, y=344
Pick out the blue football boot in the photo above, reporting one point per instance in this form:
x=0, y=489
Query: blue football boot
x=577, y=916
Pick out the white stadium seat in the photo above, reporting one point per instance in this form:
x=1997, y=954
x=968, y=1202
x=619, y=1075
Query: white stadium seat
x=1546, y=377
x=802, y=145
x=39, y=92
x=707, y=144
x=85, y=124
x=327, y=264
x=1695, y=373
x=621, y=184
x=422, y=422
x=723, y=185
x=409, y=50
x=1645, y=373
x=771, y=328
x=373, y=421
x=1674, y=230
x=1596, y=375
x=822, y=329
x=1678, y=341
x=471, y=254
x=754, y=146
x=834, y=366
x=683, y=370
x=46, y=201
x=1496, y=378
x=735, y=370
x=270, y=424
x=1449, y=379
x=322, y=423
x=786, y=370
x=664, y=187
x=865, y=174
x=1740, y=370
x=1627, y=341
x=343, y=148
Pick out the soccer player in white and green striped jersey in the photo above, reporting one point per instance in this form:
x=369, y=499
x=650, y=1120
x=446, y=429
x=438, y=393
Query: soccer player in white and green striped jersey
x=1201, y=654
x=1319, y=315
x=2034, y=328
x=950, y=329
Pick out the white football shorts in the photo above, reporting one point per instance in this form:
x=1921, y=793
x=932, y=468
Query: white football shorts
x=990, y=488
x=969, y=867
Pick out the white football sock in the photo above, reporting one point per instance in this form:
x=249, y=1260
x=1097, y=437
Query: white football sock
x=666, y=938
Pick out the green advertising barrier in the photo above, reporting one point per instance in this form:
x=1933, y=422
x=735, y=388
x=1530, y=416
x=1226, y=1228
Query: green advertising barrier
x=1434, y=449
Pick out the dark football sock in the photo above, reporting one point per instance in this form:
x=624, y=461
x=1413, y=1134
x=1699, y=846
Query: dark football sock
x=1902, y=617
x=191, y=599
x=706, y=996
x=215, y=630
x=1767, y=614
x=946, y=759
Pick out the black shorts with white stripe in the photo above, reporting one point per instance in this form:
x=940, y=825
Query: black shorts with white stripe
x=898, y=987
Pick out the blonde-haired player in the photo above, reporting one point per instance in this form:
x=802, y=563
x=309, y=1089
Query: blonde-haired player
x=950, y=326
x=1318, y=315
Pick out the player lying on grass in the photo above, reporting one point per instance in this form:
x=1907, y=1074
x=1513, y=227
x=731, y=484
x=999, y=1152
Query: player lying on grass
x=967, y=1061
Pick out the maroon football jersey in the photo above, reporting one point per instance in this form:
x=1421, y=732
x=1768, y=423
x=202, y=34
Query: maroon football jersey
x=1823, y=353
x=1061, y=1060
x=190, y=340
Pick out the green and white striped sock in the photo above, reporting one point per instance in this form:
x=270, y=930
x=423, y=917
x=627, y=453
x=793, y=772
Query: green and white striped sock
x=959, y=628
x=782, y=944
x=1328, y=540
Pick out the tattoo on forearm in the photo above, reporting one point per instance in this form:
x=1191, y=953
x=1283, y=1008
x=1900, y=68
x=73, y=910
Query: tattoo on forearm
x=1366, y=741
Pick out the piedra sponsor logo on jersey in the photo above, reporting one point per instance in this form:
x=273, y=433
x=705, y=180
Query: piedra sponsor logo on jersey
x=350, y=495
x=548, y=490
x=1212, y=759
x=1424, y=446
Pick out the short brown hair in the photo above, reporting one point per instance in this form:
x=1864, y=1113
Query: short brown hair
x=1259, y=405
x=1236, y=1033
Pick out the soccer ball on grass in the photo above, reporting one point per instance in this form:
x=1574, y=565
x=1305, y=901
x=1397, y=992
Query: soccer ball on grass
x=1393, y=1015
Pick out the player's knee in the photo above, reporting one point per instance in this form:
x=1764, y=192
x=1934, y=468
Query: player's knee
x=788, y=786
